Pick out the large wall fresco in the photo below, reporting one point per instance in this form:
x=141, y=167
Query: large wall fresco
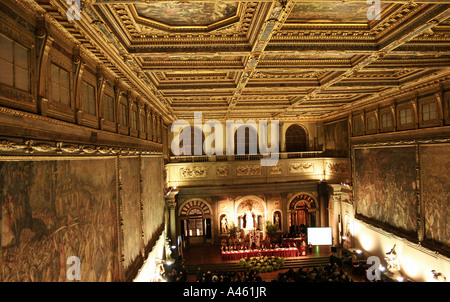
x=385, y=185
x=55, y=209
x=337, y=139
x=435, y=179
x=153, y=199
x=131, y=203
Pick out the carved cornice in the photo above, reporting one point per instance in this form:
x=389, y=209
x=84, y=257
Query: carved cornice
x=14, y=147
x=402, y=142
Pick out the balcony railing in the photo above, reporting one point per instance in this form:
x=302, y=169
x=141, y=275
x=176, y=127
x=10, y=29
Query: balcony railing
x=219, y=158
x=244, y=169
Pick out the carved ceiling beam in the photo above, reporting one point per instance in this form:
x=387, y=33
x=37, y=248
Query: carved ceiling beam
x=232, y=1
x=403, y=34
x=131, y=76
x=389, y=94
x=276, y=17
x=300, y=47
x=283, y=67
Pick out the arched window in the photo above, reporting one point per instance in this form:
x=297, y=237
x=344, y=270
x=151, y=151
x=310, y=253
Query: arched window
x=296, y=139
x=196, y=148
x=249, y=137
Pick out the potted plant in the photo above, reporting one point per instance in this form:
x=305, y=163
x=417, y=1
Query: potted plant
x=271, y=229
x=233, y=230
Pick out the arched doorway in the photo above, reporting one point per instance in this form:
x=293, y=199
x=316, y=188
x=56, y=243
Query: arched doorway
x=195, y=218
x=296, y=139
x=302, y=213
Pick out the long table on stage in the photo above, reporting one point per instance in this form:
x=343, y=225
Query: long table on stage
x=291, y=241
x=282, y=252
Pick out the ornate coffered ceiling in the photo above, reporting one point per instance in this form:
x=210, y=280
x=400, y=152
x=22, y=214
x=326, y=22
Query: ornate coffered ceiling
x=302, y=60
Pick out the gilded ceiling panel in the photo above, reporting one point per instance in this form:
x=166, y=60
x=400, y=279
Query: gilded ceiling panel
x=192, y=57
x=306, y=56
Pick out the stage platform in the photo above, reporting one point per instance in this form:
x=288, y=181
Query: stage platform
x=208, y=257
x=207, y=254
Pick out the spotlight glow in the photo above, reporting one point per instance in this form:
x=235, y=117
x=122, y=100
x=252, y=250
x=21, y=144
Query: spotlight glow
x=366, y=242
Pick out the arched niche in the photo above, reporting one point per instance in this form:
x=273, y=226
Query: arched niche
x=277, y=218
x=250, y=213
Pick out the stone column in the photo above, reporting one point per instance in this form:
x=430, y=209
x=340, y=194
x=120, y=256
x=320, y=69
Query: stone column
x=323, y=204
x=172, y=223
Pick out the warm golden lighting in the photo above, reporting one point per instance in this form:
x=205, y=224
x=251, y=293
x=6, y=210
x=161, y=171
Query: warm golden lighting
x=410, y=266
x=366, y=242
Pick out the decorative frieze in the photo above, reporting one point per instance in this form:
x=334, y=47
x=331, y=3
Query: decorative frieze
x=300, y=167
x=193, y=172
x=248, y=170
x=275, y=170
x=337, y=167
x=222, y=171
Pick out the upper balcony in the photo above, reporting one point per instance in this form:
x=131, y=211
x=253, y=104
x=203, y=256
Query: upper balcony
x=220, y=170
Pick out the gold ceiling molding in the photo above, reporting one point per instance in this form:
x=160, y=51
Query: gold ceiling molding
x=390, y=94
x=263, y=61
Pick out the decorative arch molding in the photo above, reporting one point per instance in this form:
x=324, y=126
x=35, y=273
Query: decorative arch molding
x=311, y=202
x=302, y=211
x=193, y=203
x=240, y=201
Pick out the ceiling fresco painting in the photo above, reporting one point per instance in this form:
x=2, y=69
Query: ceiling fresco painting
x=326, y=12
x=187, y=14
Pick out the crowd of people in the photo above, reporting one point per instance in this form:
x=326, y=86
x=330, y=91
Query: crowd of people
x=332, y=272
x=178, y=273
x=329, y=273
x=226, y=277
